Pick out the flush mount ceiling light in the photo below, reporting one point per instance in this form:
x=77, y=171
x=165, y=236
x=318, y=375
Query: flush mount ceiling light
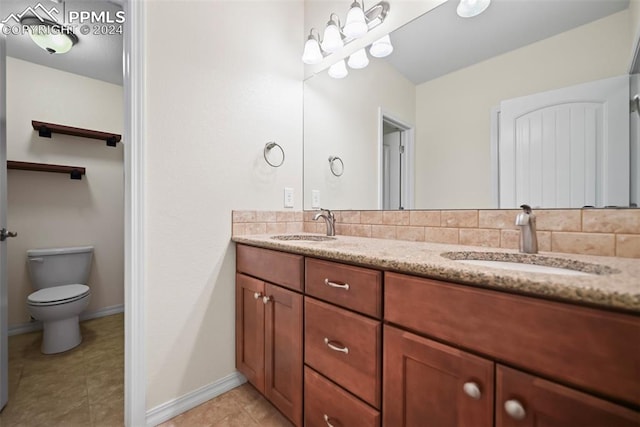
x=335, y=37
x=471, y=8
x=50, y=36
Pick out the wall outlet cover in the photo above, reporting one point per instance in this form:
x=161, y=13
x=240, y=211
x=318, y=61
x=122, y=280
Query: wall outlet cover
x=288, y=197
x=315, y=199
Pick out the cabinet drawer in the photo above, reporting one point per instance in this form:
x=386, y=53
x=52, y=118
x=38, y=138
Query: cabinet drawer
x=325, y=403
x=271, y=266
x=542, y=402
x=592, y=349
x=345, y=347
x=356, y=288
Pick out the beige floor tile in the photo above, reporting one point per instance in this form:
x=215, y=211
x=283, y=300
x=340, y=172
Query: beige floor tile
x=238, y=419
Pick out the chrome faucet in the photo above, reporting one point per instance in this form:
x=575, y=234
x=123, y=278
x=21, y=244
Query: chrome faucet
x=526, y=220
x=329, y=219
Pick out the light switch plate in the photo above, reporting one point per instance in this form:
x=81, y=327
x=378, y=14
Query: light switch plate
x=288, y=197
x=315, y=199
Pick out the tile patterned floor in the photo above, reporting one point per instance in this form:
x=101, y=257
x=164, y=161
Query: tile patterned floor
x=85, y=387
x=81, y=387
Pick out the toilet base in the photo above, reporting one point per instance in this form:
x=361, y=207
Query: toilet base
x=60, y=335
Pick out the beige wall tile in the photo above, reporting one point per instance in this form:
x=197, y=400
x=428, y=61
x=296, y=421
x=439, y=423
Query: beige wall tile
x=371, y=217
x=424, y=218
x=360, y=230
x=294, y=227
x=611, y=220
x=414, y=234
x=341, y=229
x=243, y=216
x=266, y=216
x=628, y=245
x=480, y=237
x=395, y=217
x=350, y=217
x=583, y=243
x=308, y=215
x=498, y=218
x=441, y=235
x=462, y=218
x=276, y=227
x=309, y=227
x=559, y=219
x=238, y=229
x=544, y=241
x=383, y=231
x=510, y=239
x=256, y=228
x=288, y=216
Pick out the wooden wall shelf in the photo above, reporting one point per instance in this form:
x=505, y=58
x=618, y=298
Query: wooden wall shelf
x=46, y=129
x=75, y=172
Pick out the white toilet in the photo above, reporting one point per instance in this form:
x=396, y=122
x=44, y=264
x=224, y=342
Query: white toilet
x=59, y=277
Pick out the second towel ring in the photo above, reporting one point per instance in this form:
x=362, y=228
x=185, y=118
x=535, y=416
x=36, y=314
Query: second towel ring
x=267, y=147
x=332, y=165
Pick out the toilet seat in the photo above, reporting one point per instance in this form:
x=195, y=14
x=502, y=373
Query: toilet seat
x=57, y=295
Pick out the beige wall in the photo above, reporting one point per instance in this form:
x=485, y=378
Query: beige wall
x=350, y=132
x=216, y=92
x=454, y=110
x=50, y=209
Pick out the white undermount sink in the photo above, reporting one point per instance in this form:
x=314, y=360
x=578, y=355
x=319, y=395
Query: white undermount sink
x=518, y=266
x=528, y=263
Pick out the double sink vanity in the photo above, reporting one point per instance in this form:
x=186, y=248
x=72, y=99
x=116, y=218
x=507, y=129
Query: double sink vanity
x=349, y=331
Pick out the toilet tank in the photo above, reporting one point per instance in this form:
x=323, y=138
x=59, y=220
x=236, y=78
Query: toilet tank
x=59, y=266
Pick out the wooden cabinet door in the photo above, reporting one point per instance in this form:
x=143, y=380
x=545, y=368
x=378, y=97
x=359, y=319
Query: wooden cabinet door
x=428, y=384
x=283, y=351
x=534, y=402
x=250, y=330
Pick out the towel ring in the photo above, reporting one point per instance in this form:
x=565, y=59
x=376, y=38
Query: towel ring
x=332, y=165
x=267, y=147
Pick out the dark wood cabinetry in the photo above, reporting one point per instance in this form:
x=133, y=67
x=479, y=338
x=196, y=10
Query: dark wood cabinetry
x=269, y=335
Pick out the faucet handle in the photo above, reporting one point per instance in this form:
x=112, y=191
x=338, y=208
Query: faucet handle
x=526, y=208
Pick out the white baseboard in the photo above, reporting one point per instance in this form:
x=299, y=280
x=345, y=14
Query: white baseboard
x=175, y=407
x=24, y=328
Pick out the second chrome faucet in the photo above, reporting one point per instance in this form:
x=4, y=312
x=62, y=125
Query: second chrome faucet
x=526, y=220
x=329, y=219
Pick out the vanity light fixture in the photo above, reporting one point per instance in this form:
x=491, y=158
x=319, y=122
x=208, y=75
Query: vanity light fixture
x=338, y=70
x=335, y=37
x=381, y=47
x=50, y=36
x=358, y=59
x=471, y=8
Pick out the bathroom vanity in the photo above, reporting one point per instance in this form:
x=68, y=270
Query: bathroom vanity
x=378, y=332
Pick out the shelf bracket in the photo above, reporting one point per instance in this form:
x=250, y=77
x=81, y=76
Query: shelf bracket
x=44, y=132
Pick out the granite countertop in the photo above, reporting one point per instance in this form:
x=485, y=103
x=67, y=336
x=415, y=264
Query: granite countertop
x=615, y=282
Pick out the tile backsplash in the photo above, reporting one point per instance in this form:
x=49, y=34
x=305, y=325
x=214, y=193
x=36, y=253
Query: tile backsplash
x=607, y=232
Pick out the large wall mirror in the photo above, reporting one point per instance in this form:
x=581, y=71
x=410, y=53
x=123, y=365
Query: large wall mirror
x=420, y=129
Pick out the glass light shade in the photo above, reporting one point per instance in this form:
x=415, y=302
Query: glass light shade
x=338, y=70
x=356, y=25
x=381, y=47
x=358, y=60
x=52, y=43
x=471, y=8
x=311, y=54
x=331, y=40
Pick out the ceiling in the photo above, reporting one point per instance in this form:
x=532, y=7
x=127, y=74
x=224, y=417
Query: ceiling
x=95, y=55
x=447, y=42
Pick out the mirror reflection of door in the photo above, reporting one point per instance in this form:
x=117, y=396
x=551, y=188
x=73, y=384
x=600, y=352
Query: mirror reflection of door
x=397, y=175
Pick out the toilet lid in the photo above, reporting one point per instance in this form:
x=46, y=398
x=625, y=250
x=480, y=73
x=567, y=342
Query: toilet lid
x=57, y=294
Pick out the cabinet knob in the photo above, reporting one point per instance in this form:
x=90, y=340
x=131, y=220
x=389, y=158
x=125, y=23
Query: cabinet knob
x=344, y=286
x=472, y=390
x=266, y=299
x=257, y=295
x=327, y=420
x=334, y=347
x=515, y=409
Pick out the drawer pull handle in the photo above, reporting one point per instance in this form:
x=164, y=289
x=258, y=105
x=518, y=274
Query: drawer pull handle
x=257, y=295
x=344, y=286
x=515, y=409
x=266, y=299
x=327, y=420
x=334, y=347
x=472, y=390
